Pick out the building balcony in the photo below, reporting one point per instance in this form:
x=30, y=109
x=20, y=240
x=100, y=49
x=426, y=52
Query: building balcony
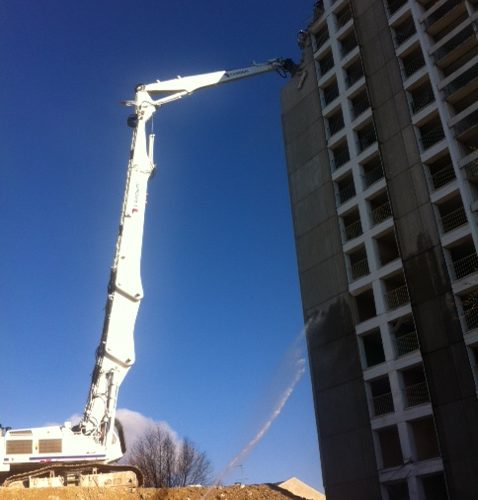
x=470, y=319
x=347, y=44
x=372, y=348
x=366, y=137
x=343, y=17
x=345, y=192
x=443, y=176
x=464, y=42
x=325, y=63
x=414, y=385
x=407, y=343
x=442, y=15
x=397, y=297
x=335, y=123
x=318, y=9
x=353, y=73
x=353, y=230
x=360, y=104
x=390, y=455
x=404, y=333
x=412, y=63
x=372, y=176
x=404, y=31
x=340, y=155
x=463, y=258
x=464, y=84
x=465, y=265
x=471, y=170
x=453, y=219
x=381, y=213
x=359, y=269
x=430, y=134
x=421, y=97
x=466, y=130
x=321, y=38
x=330, y=93
x=386, y=247
x=394, y=5
x=382, y=399
x=383, y=404
x=416, y=394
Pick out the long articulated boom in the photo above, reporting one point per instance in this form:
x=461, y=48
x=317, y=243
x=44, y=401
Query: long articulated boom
x=94, y=440
x=115, y=354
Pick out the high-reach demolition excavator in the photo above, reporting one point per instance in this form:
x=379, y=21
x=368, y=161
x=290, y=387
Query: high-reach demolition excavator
x=85, y=454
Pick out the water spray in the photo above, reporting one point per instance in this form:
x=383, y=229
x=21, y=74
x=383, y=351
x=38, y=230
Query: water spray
x=295, y=359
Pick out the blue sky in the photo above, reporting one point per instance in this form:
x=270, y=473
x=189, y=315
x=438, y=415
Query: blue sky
x=222, y=304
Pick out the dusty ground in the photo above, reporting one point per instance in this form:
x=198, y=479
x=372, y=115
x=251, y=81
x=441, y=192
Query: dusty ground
x=260, y=492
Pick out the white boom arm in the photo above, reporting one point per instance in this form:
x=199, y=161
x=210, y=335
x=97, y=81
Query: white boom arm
x=115, y=353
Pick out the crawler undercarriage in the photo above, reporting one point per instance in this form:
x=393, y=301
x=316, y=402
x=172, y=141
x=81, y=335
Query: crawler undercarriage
x=77, y=474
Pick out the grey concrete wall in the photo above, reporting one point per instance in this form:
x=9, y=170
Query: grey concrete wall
x=345, y=437
x=447, y=368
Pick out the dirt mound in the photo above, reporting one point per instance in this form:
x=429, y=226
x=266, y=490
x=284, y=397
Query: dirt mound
x=240, y=492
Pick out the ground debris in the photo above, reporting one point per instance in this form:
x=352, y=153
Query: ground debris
x=236, y=492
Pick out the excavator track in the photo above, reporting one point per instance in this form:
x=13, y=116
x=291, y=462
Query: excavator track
x=77, y=474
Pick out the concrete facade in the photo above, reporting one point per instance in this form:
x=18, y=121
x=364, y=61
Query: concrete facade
x=381, y=133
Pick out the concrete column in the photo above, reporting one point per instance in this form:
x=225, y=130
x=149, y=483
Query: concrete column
x=346, y=445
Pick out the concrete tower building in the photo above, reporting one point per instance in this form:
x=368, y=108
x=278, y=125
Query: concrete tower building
x=381, y=137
